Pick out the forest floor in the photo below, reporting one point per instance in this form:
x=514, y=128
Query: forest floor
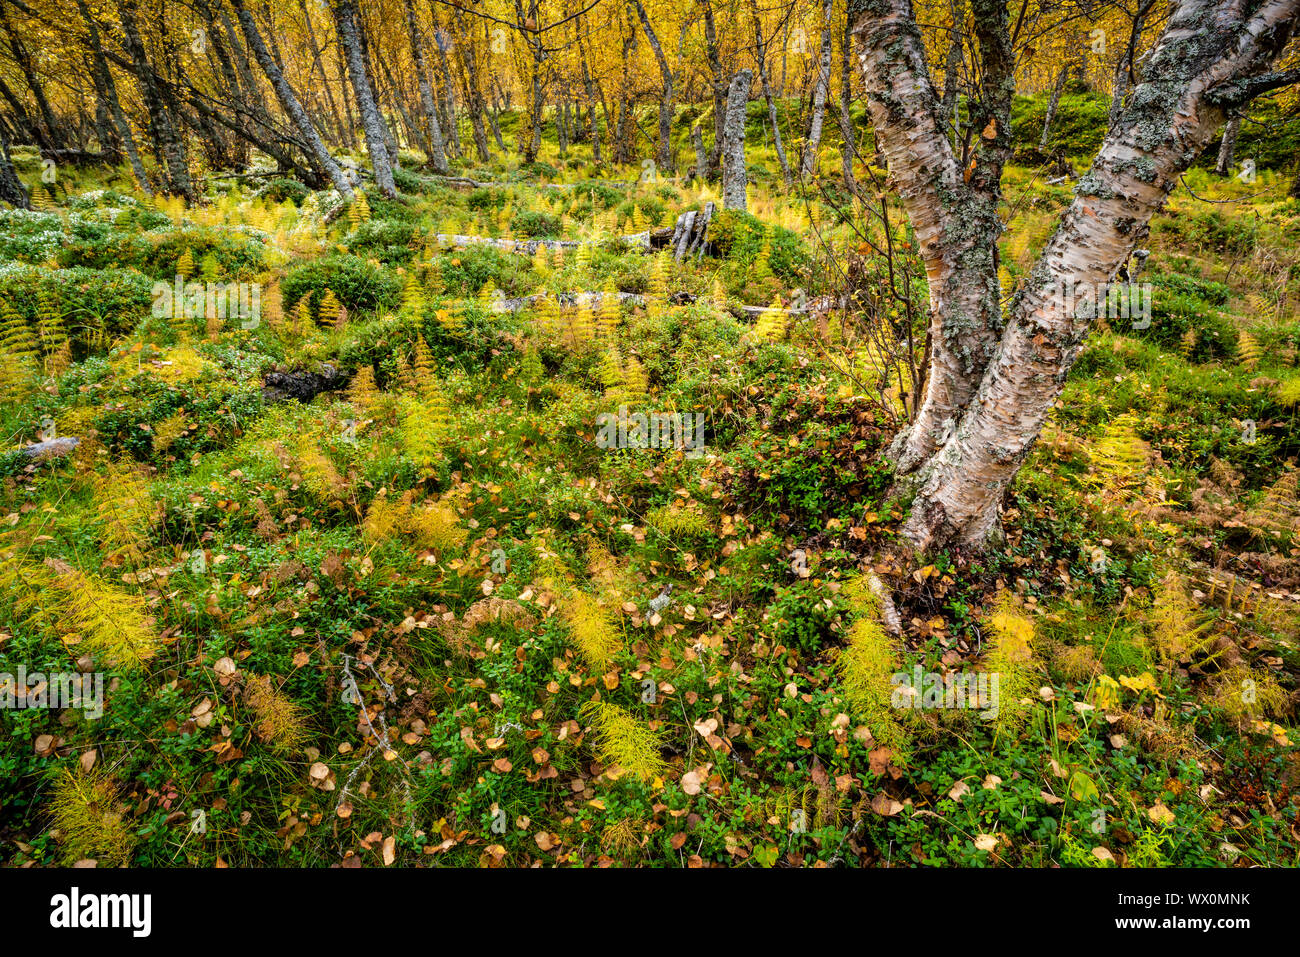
x=422, y=618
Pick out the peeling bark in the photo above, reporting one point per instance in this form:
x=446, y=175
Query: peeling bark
x=1209, y=60
x=954, y=218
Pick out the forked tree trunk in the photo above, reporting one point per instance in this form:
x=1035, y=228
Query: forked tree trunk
x=957, y=237
x=168, y=138
x=663, y=152
x=1209, y=60
x=105, y=81
x=448, y=105
x=734, y=179
x=52, y=133
x=473, y=89
x=717, y=83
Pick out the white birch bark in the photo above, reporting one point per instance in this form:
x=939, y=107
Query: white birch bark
x=1210, y=59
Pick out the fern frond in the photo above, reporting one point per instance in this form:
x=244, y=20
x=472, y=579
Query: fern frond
x=1175, y=632
x=595, y=635
x=1278, y=513
x=675, y=522
x=1119, y=457
x=89, y=826
x=866, y=666
x=1011, y=660
x=437, y=526
x=126, y=510
x=280, y=721
x=625, y=742
x=425, y=426
x=106, y=621
x=1249, y=350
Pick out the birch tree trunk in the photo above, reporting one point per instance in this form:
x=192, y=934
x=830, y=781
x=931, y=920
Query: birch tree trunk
x=25, y=127
x=701, y=155
x=345, y=17
x=1210, y=60
x=370, y=76
x=952, y=69
x=663, y=154
x=1228, y=146
x=433, y=129
x=100, y=65
x=848, y=145
x=718, y=84
x=1053, y=102
x=594, y=128
x=289, y=101
x=448, y=115
x=820, y=90
x=167, y=136
x=318, y=66
x=1124, y=68
x=473, y=91
x=734, y=179
x=760, y=50
x=11, y=187
x=51, y=129
x=955, y=222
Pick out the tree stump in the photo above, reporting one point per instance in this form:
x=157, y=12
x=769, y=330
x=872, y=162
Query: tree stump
x=690, y=234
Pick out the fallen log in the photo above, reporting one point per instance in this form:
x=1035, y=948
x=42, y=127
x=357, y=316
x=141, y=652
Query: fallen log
x=643, y=242
x=51, y=448
x=468, y=183
x=76, y=157
x=594, y=299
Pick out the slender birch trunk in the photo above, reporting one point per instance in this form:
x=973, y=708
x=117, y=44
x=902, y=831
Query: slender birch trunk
x=289, y=101
x=820, y=90
x=432, y=128
x=345, y=16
